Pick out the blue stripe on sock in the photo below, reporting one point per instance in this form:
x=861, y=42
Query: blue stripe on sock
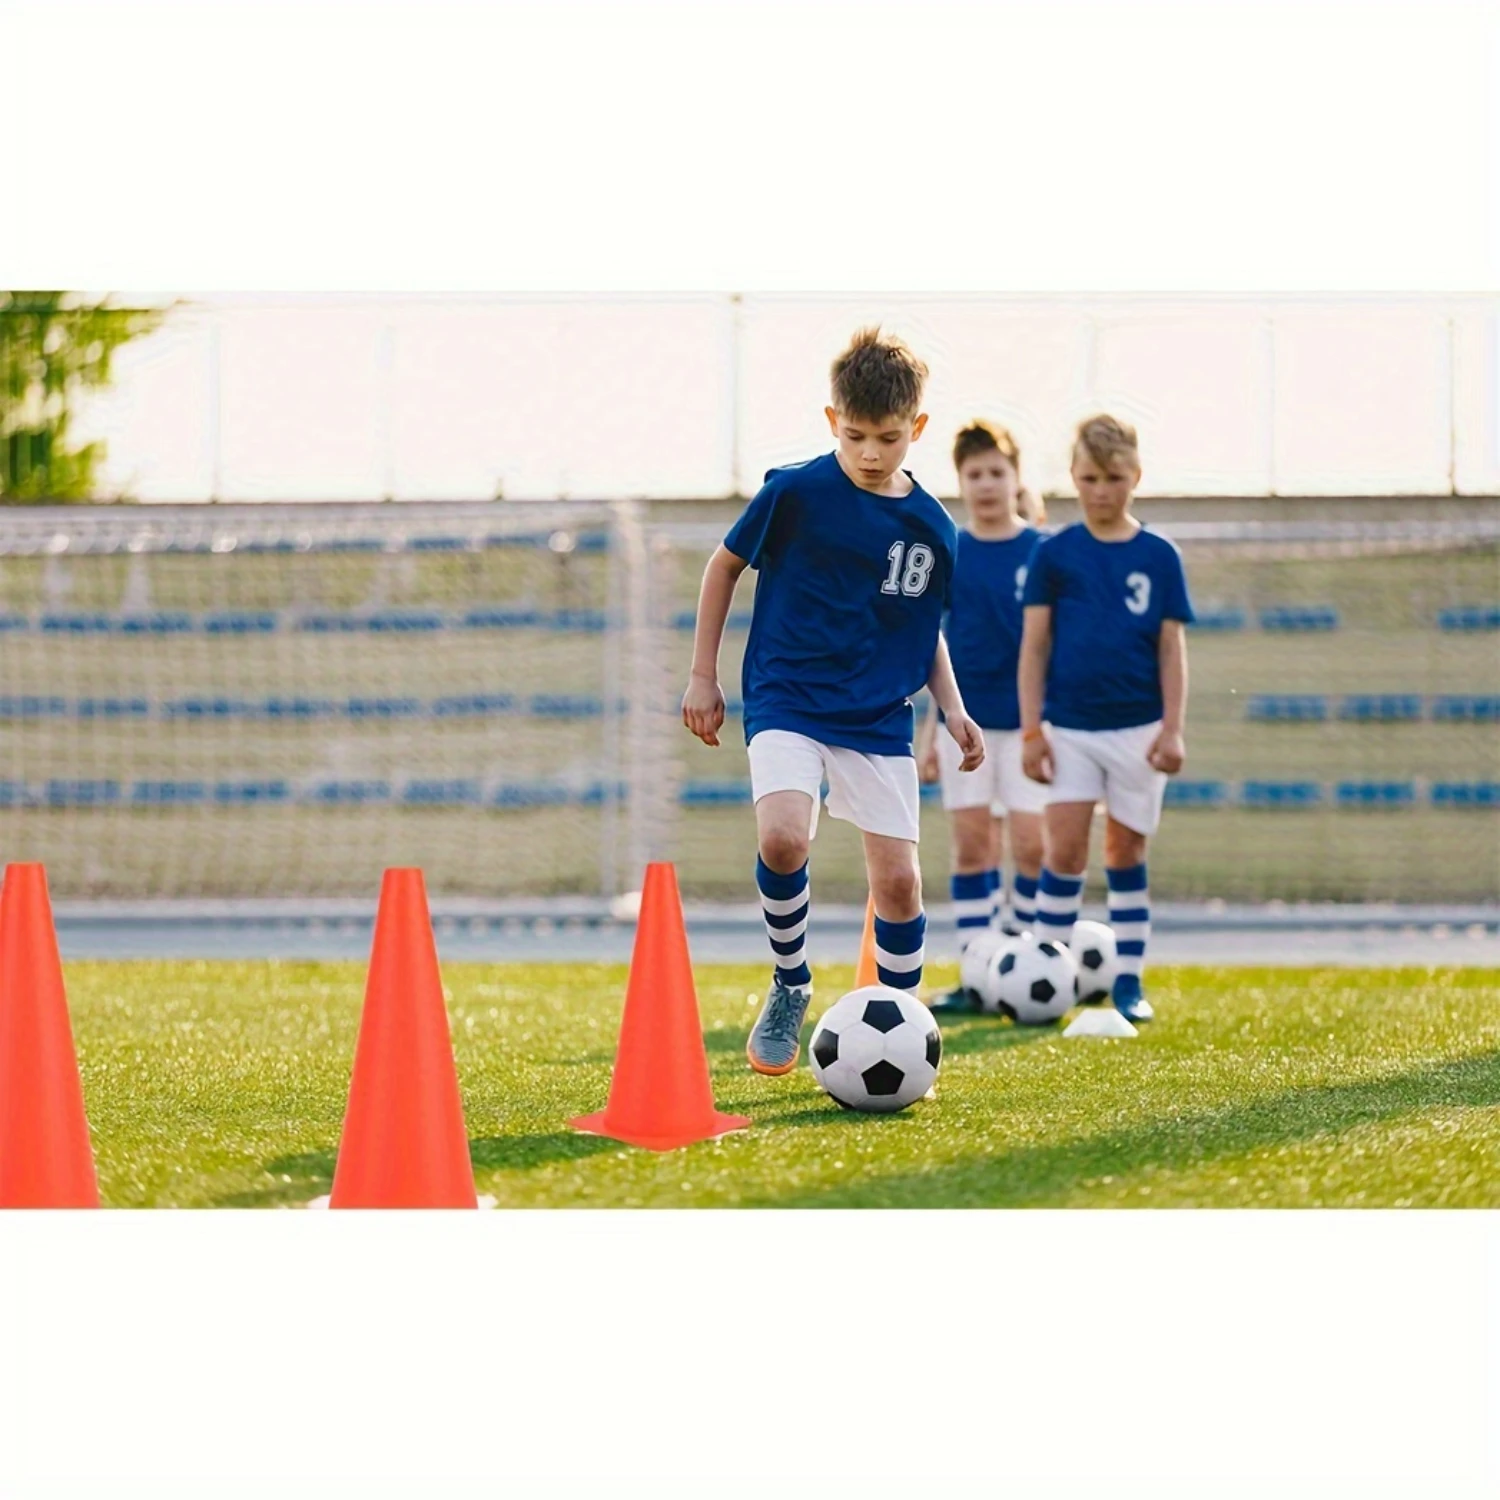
x=969, y=887
x=901, y=937
x=907, y=981
x=798, y=979
x=1133, y=879
x=789, y=920
x=1057, y=918
x=1130, y=914
x=785, y=950
x=1060, y=885
x=1026, y=887
x=1131, y=948
x=776, y=886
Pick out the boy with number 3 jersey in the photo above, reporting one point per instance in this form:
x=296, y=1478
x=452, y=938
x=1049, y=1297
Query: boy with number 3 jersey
x=855, y=562
x=1103, y=690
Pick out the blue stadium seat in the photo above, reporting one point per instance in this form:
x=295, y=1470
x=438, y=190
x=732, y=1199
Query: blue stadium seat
x=324, y=623
x=517, y=794
x=1228, y=618
x=398, y=620
x=1376, y=794
x=590, y=620
x=252, y=793
x=1466, y=794
x=161, y=622
x=208, y=708
x=1196, y=793
x=240, y=622
x=1281, y=794
x=300, y=709
x=1470, y=617
x=441, y=793
x=32, y=706
x=1466, y=708
x=565, y=706
x=60, y=793
x=347, y=793
x=383, y=708
x=1299, y=617
x=501, y=617
x=1385, y=708
x=76, y=624
x=472, y=705
x=14, y=794
x=112, y=708
x=14, y=623
x=713, y=793
x=687, y=619
x=1287, y=708
x=437, y=544
x=168, y=793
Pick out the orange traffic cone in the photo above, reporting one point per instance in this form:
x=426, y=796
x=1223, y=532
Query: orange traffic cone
x=865, y=971
x=660, y=1096
x=404, y=1143
x=45, y=1157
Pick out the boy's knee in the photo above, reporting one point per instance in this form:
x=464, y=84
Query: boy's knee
x=900, y=893
x=784, y=849
x=1123, y=847
x=1067, y=856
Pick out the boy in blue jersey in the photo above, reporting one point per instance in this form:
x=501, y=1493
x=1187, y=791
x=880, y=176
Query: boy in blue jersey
x=1104, y=662
x=855, y=562
x=983, y=631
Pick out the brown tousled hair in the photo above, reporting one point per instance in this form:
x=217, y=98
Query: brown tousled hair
x=878, y=376
x=989, y=437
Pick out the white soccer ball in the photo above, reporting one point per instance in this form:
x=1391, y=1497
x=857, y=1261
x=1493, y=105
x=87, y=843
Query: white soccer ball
x=1098, y=960
x=975, y=962
x=877, y=1049
x=990, y=998
x=1037, y=982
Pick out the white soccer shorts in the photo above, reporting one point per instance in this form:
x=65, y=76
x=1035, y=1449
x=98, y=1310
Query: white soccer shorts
x=999, y=783
x=1109, y=765
x=877, y=793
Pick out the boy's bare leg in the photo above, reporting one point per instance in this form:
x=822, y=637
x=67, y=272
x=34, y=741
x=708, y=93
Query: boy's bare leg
x=900, y=926
x=1066, y=858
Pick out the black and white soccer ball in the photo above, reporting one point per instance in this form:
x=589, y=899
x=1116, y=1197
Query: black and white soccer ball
x=975, y=960
x=990, y=998
x=877, y=1049
x=1098, y=960
x=1036, y=982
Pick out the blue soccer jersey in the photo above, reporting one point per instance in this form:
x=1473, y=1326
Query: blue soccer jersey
x=983, y=625
x=848, y=602
x=1108, y=602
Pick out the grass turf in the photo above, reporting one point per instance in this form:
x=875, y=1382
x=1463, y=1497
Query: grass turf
x=223, y=1084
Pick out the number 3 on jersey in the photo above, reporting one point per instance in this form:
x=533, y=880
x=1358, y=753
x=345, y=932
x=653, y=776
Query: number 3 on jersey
x=912, y=581
x=1138, y=600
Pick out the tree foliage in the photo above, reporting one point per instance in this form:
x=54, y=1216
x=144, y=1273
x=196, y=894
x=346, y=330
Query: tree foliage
x=54, y=348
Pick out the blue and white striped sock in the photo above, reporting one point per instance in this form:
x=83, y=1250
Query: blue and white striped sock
x=971, y=905
x=1024, y=907
x=899, y=950
x=1057, y=902
x=1130, y=916
x=996, y=888
x=784, y=900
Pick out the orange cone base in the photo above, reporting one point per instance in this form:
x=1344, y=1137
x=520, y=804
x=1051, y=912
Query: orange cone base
x=599, y=1125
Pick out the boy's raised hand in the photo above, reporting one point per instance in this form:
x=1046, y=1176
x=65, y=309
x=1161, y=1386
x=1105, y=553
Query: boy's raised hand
x=703, y=708
x=1167, y=752
x=969, y=738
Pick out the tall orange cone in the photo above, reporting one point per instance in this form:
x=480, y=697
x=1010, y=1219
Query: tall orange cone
x=404, y=1143
x=45, y=1157
x=865, y=971
x=660, y=1097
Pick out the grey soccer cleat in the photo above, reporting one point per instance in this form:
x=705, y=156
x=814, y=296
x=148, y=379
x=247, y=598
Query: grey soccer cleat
x=775, y=1039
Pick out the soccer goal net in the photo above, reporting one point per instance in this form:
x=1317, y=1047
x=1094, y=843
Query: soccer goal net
x=281, y=701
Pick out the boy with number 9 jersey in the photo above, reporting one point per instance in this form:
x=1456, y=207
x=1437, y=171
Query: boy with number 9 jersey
x=1103, y=689
x=854, y=561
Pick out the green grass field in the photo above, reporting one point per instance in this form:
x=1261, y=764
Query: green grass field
x=223, y=1085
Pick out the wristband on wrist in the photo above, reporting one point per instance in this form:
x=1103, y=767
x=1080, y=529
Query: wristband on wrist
x=1027, y=735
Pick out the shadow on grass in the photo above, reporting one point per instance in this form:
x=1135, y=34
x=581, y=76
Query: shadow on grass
x=1048, y=1173
x=963, y=1038
x=309, y=1174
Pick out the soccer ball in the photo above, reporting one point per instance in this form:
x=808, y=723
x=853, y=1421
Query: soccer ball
x=876, y=1049
x=1037, y=982
x=989, y=986
x=976, y=959
x=1093, y=949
